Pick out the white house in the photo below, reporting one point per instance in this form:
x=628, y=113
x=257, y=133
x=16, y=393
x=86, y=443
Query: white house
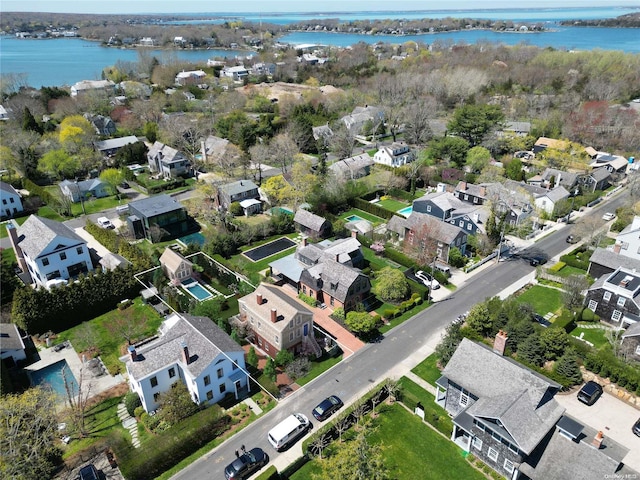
x=85, y=86
x=628, y=240
x=75, y=191
x=12, y=348
x=394, y=155
x=238, y=73
x=167, y=160
x=191, y=350
x=49, y=250
x=192, y=77
x=548, y=201
x=11, y=201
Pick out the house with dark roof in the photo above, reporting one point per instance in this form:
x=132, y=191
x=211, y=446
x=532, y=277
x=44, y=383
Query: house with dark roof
x=604, y=261
x=76, y=191
x=630, y=342
x=194, y=351
x=110, y=147
x=167, y=161
x=311, y=224
x=628, y=240
x=615, y=297
x=278, y=322
x=470, y=193
x=501, y=410
x=352, y=168
x=357, y=119
x=11, y=201
x=552, y=177
x=103, y=126
x=12, y=349
x=419, y=228
x=175, y=266
x=157, y=218
x=49, y=251
x=448, y=208
x=598, y=179
x=245, y=192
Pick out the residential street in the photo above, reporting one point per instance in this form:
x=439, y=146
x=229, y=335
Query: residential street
x=400, y=350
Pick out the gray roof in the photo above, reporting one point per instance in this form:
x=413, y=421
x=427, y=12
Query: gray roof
x=169, y=154
x=157, y=205
x=632, y=331
x=10, y=337
x=600, y=174
x=556, y=194
x=309, y=220
x=530, y=189
x=520, y=398
x=442, y=231
x=116, y=142
x=568, y=179
x=5, y=187
x=336, y=278
x=204, y=339
x=84, y=185
x=352, y=163
x=609, y=258
x=37, y=233
x=562, y=457
x=274, y=297
x=288, y=266
x=240, y=186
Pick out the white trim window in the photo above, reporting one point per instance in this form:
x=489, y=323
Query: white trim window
x=477, y=443
x=464, y=397
x=607, y=296
x=638, y=350
x=592, y=305
x=492, y=454
x=621, y=301
x=616, y=315
x=508, y=465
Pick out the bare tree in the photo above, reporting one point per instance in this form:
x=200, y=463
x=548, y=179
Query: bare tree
x=375, y=400
x=590, y=229
x=126, y=325
x=614, y=337
x=283, y=149
x=78, y=400
x=359, y=410
x=422, y=242
x=320, y=443
x=416, y=117
x=392, y=387
x=342, y=424
x=573, y=286
x=342, y=141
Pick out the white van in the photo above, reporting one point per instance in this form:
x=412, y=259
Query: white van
x=443, y=268
x=288, y=430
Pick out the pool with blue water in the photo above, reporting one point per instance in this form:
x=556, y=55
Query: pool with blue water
x=53, y=376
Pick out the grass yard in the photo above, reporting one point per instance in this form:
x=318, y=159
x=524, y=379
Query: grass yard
x=568, y=270
x=392, y=204
x=3, y=231
x=318, y=368
x=411, y=450
x=362, y=214
x=376, y=262
x=428, y=369
x=103, y=334
x=542, y=299
x=240, y=263
x=46, y=212
x=411, y=393
x=253, y=220
x=8, y=255
x=596, y=336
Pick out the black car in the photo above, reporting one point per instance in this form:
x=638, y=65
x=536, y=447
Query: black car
x=246, y=464
x=125, y=185
x=535, y=261
x=572, y=239
x=590, y=392
x=89, y=472
x=327, y=407
x=636, y=428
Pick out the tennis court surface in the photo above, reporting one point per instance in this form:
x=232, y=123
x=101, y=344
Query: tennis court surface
x=268, y=249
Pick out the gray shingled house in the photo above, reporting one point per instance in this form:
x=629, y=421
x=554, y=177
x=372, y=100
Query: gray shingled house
x=311, y=224
x=615, y=297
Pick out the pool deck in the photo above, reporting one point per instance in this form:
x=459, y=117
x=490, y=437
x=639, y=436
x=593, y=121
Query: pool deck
x=97, y=384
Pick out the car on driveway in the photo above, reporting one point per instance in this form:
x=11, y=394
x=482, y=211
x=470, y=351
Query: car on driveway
x=590, y=392
x=104, y=222
x=246, y=464
x=427, y=279
x=89, y=472
x=636, y=428
x=327, y=407
x=125, y=184
x=608, y=216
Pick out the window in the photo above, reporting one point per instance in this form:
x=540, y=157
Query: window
x=277, y=339
x=592, y=305
x=172, y=372
x=616, y=316
x=207, y=380
x=220, y=373
x=290, y=336
x=607, y=296
x=156, y=397
x=638, y=350
x=492, y=454
x=475, y=199
x=469, y=226
x=154, y=382
x=466, y=197
x=79, y=250
x=508, y=465
x=331, y=302
x=290, y=323
x=234, y=366
x=477, y=443
x=4, y=201
x=461, y=223
x=428, y=208
x=63, y=256
x=210, y=395
x=223, y=388
x=45, y=262
x=513, y=448
x=464, y=398
x=621, y=301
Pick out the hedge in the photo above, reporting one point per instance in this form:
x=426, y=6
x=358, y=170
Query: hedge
x=115, y=243
x=34, y=189
x=573, y=261
x=557, y=267
x=396, y=192
x=399, y=257
x=603, y=363
x=566, y=320
x=372, y=208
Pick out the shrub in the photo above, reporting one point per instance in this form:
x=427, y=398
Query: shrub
x=236, y=209
x=388, y=312
x=308, y=300
x=132, y=402
x=588, y=315
x=557, y=267
x=139, y=411
x=338, y=314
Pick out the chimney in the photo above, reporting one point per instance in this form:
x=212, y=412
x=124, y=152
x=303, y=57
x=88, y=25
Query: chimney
x=259, y=299
x=13, y=238
x=597, y=440
x=483, y=191
x=500, y=342
x=338, y=257
x=463, y=186
x=617, y=247
x=185, y=353
x=304, y=241
x=132, y=353
x=274, y=315
x=354, y=234
x=558, y=180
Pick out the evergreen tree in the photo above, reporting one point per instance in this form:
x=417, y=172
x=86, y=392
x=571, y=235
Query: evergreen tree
x=252, y=358
x=29, y=123
x=567, y=366
x=530, y=351
x=270, y=370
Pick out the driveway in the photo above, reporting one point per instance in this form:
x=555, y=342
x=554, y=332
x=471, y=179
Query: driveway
x=611, y=416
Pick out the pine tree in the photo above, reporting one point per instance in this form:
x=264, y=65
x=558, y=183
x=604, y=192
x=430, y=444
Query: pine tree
x=568, y=367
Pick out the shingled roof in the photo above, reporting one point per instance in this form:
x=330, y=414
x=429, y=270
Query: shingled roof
x=37, y=233
x=309, y=220
x=335, y=278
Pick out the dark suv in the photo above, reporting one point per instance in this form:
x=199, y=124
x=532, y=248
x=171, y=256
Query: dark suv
x=89, y=472
x=590, y=392
x=246, y=464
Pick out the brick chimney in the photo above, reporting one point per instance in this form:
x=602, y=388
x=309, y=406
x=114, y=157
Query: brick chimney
x=483, y=191
x=132, y=353
x=597, y=440
x=259, y=298
x=500, y=342
x=13, y=238
x=304, y=241
x=617, y=247
x=463, y=186
x=354, y=234
x=274, y=315
x=185, y=353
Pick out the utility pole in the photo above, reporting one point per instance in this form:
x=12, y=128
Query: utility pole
x=81, y=197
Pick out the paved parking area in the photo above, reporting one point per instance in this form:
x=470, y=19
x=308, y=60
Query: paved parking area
x=611, y=416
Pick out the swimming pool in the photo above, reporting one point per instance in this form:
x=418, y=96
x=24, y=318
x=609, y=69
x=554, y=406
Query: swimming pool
x=196, y=238
x=52, y=377
x=198, y=291
x=406, y=211
x=353, y=218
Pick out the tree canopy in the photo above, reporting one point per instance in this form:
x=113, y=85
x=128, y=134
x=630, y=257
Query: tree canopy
x=474, y=122
x=391, y=285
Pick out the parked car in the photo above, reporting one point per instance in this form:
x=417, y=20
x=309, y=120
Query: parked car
x=104, y=222
x=537, y=260
x=427, y=280
x=246, y=464
x=327, y=407
x=89, y=472
x=125, y=184
x=590, y=392
x=636, y=428
x=288, y=431
x=608, y=216
x=573, y=239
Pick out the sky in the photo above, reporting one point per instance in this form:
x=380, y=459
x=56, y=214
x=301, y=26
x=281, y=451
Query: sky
x=273, y=6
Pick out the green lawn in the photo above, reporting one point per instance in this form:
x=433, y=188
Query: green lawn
x=46, y=212
x=393, y=205
x=101, y=333
x=376, y=262
x=411, y=450
x=95, y=205
x=318, y=368
x=428, y=370
x=411, y=393
x=362, y=214
x=568, y=270
x=8, y=255
x=542, y=299
x=593, y=335
x=3, y=231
